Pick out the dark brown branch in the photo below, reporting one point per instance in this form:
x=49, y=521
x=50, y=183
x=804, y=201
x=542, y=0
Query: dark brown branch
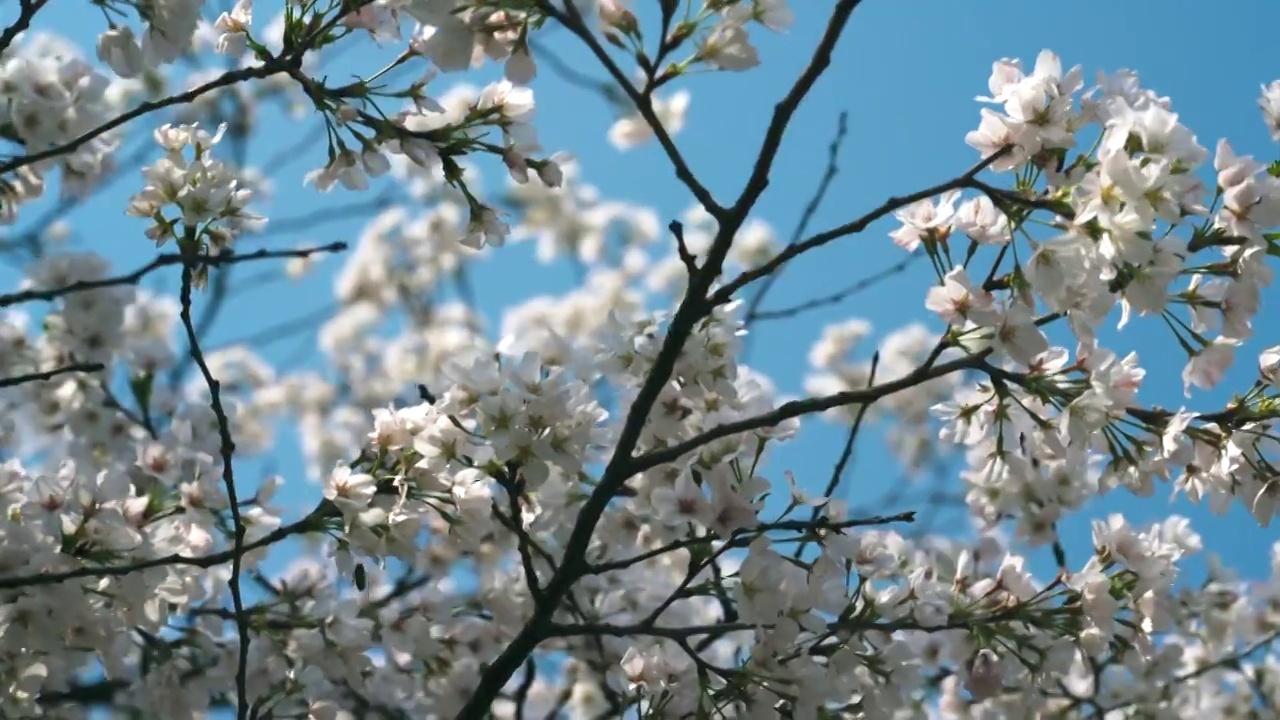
x=835, y=298
x=808, y=406
x=27, y=12
x=573, y=20
x=725, y=293
x=806, y=216
x=16, y=380
x=226, y=449
x=691, y=310
x=161, y=261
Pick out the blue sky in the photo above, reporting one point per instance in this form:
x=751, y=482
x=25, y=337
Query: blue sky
x=906, y=72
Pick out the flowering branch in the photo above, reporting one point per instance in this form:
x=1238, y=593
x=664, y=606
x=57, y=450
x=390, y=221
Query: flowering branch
x=227, y=79
x=572, y=19
x=621, y=466
x=313, y=522
x=600, y=472
x=807, y=406
x=725, y=292
x=743, y=537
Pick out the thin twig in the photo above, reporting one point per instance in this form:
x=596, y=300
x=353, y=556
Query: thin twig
x=313, y=522
x=806, y=216
x=682, y=249
x=265, y=70
x=347, y=211
x=285, y=329
x=28, y=10
x=725, y=293
x=573, y=20
x=846, y=453
x=807, y=406
x=840, y=296
x=227, y=448
x=49, y=374
x=784, y=110
x=161, y=261
x=743, y=536
x=573, y=76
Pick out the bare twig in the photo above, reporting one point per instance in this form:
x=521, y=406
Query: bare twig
x=161, y=261
x=576, y=77
x=837, y=473
x=840, y=296
x=27, y=12
x=348, y=211
x=48, y=374
x=682, y=249
x=806, y=216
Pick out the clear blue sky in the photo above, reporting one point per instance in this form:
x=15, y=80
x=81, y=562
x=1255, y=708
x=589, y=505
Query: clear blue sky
x=907, y=72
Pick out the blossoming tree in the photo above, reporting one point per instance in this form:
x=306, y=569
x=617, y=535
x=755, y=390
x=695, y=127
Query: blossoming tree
x=568, y=518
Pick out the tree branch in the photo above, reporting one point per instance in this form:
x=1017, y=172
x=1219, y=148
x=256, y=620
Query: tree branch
x=725, y=293
x=806, y=216
x=16, y=380
x=27, y=13
x=808, y=406
x=692, y=309
x=860, y=285
x=572, y=19
x=161, y=261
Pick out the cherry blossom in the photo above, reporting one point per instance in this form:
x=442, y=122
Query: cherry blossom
x=578, y=507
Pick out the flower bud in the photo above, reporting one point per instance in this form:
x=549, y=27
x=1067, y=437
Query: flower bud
x=986, y=675
x=346, y=113
x=550, y=174
x=519, y=68
x=516, y=165
x=614, y=14
x=119, y=49
x=1269, y=364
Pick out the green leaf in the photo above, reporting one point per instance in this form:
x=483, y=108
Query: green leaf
x=1273, y=243
x=141, y=387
